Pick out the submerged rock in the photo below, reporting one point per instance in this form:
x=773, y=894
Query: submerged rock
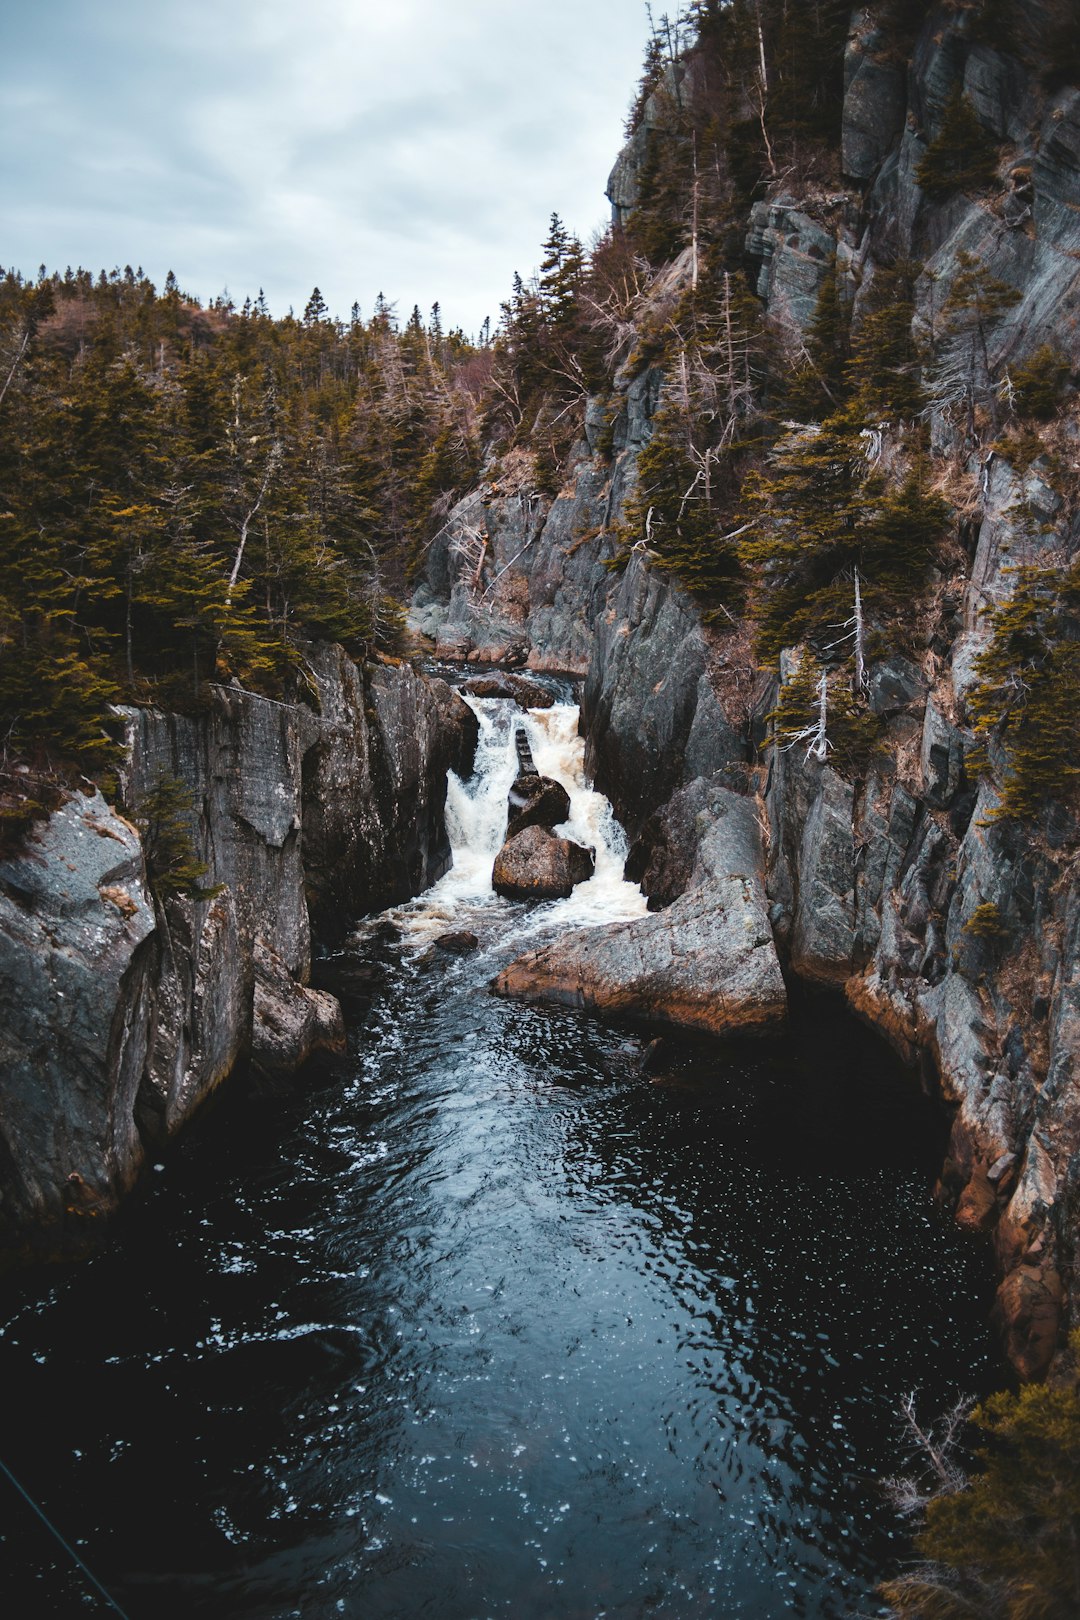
x=457, y=943
x=535, y=865
x=707, y=962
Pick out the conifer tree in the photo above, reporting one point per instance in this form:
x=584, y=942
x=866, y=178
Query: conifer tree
x=962, y=156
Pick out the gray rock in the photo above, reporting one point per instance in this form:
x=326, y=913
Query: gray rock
x=535, y=865
x=641, y=699
x=76, y=931
x=942, y=757
x=896, y=684
x=875, y=99
x=706, y=963
x=290, y=1022
x=460, y=942
x=517, y=688
x=823, y=932
x=664, y=856
x=536, y=801
x=137, y=1014
x=793, y=251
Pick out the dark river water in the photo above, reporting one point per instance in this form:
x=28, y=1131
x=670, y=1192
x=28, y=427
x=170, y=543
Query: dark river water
x=491, y=1320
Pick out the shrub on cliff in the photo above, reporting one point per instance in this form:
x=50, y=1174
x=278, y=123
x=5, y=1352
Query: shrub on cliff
x=845, y=734
x=674, y=514
x=1005, y=1547
x=1038, y=386
x=1027, y=700
x=164, y=821
x=816, y=513
x=962, y=157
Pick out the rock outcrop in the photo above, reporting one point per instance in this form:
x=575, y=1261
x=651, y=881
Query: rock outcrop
x=535, y=865
x=705, y=963
x=122, y=1012
x=76, y=987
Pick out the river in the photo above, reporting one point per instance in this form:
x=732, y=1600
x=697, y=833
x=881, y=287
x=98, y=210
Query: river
x=493, y=1319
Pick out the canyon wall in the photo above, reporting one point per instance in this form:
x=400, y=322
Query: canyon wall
x=879, y=884
x=123, y=1009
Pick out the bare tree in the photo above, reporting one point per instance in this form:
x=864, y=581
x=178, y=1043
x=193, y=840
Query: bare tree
x=932, y=1447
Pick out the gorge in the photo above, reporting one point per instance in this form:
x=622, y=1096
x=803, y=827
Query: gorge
x=597, y=1244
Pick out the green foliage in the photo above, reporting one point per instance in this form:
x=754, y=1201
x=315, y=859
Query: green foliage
x=986, y=922
x=673, y=513
x=1005, y=1548
x=164, y=820
x=816, y=513
x=883, y=373
x=816, y=388
x=189, y=495
x=852, y=731
x=1040, y=383
x=962, y=157
x=1027, y=700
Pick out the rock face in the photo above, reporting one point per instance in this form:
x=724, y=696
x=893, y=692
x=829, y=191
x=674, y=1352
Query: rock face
x=121, y=1014
x=76, y=928
x=289, y=1022
x=875, y=885
x=527, y=694
x=374, y=785
x=535, y=865
x=706, y=963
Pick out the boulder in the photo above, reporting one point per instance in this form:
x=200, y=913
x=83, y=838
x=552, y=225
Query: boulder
x=290, y=1022
x=535, y=865
x=707, y=962
x=517, y=688
x=536, y=801
x=458, y=943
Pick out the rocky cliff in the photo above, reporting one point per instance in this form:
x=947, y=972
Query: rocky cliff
x=122, y=1010
x=954, y=932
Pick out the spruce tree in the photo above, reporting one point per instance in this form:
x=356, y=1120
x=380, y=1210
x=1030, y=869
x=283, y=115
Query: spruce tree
x=962, y=156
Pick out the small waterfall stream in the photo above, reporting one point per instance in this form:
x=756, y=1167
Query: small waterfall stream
x=476, y=813
x=487, y=1323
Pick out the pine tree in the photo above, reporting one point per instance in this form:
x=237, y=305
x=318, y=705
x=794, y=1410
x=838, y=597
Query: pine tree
x=1027, y=700
x=1005, y=1546
x=962, y=157
x=817, y=387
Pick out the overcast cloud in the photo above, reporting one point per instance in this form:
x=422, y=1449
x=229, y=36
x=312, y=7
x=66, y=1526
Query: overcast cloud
x=416, y=148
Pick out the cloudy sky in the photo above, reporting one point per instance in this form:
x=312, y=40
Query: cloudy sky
x=417, y=147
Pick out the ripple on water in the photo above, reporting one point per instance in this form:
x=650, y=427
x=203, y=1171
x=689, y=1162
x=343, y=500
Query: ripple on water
x=492, y=1324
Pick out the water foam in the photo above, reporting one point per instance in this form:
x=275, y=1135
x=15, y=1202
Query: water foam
x=476, y=815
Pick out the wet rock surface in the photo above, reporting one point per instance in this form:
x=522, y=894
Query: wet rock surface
x=706, y=963
x=535, y=865
x=518, y=688
x=536, y=801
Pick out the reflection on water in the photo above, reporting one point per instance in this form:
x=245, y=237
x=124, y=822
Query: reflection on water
x=492, y=1323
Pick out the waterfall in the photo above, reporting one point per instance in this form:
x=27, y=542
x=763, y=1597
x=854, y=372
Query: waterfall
x=476, y=814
